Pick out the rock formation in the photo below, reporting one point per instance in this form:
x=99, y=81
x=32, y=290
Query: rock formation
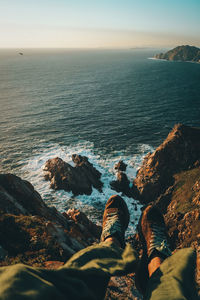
x=170, y=178
x=180, y=151
x=38, y=235
x=121, y=166
x=181, y=53
x=33, y=233
x=122, y=184
x=79, y=179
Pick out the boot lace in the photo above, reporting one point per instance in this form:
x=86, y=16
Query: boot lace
x=112, y=225
x=159, y=241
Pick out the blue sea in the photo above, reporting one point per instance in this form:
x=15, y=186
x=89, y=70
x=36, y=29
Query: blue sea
x=105, y=104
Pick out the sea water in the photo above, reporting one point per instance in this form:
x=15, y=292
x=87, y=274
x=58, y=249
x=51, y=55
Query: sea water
x=105, y=104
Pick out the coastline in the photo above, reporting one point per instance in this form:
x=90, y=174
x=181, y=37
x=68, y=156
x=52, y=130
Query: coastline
x=164, y=59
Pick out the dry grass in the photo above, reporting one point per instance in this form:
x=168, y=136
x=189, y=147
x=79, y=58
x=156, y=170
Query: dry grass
x=26, y=240
x=183, y=192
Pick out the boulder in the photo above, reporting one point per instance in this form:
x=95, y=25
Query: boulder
x=79, y=179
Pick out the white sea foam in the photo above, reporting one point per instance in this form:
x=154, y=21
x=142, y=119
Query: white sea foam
x=154, y=58
x=92, y=205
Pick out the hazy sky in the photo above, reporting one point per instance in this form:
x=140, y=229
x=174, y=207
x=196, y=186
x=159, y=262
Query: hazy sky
x=99, y=23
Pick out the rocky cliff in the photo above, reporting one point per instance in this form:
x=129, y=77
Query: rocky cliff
x=181, y=53
x=180, y=151
x=170, y=178
x=33, y=233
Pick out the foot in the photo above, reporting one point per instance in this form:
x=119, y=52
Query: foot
x=115, y=220
x=153, y=234
x=154, y=238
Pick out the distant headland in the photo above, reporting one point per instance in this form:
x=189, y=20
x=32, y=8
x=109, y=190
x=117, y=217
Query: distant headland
x=181, y=53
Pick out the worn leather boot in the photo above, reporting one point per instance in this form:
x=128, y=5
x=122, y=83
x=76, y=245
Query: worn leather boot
x=115, y=219
x=153, y=234
x=154, y=239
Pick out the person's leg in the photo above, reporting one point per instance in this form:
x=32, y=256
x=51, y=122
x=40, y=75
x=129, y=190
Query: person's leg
x=170, y=277
x=154, y=264
x=108, y=258
x=86, y=274
x=174, y=279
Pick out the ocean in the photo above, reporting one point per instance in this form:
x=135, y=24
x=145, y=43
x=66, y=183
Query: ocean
x=105, y=104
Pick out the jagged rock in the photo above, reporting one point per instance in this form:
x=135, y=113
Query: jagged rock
x=32, y=232
x=79, y=179
x=170, y=179
x=178, y=152
x=80, y=218
x=82, y=228
x=121, y=166
x=18, y=196
x=122, y=184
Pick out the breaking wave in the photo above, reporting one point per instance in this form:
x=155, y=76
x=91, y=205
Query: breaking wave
x=92, y=205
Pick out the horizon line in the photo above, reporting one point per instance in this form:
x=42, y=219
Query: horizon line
x=94, y=48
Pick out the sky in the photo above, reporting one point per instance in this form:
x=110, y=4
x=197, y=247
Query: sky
x=99, y=23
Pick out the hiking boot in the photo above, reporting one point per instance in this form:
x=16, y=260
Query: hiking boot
x=153, y=234
x=115, y=219
x=154, y=238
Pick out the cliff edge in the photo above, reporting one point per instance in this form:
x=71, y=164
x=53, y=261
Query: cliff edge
x=33, y=233
x=38, y=235
x=170, y=178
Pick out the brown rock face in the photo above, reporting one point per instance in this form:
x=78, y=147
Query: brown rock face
x=31, y=232
x=122, y=184
x=170, y=177
x=120, y=166
x=178, y=152
x=82, y=229
x=18, y=196
x=79, y=179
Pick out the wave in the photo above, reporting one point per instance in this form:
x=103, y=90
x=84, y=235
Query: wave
x=154, y=58
x=92, y=205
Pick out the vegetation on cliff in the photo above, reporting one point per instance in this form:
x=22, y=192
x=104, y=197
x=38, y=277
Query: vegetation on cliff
x=181, y=53
x=33, y=233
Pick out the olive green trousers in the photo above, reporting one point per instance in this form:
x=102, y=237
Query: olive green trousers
x=86, y=275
